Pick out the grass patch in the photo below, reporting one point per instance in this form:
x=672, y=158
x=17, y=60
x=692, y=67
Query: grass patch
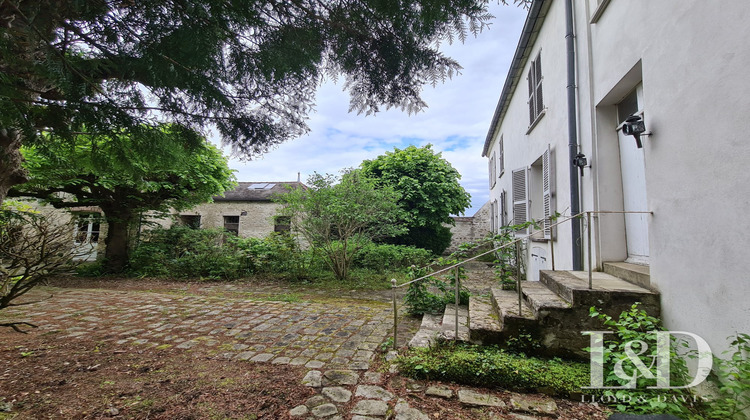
x=360, y=279
x=495, y=368
x=280, y=297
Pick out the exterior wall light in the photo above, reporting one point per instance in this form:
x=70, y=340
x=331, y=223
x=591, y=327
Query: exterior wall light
x=580, y=161
x=634, y=126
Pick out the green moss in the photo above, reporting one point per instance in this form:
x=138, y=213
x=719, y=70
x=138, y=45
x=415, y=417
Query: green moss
x=493, y=367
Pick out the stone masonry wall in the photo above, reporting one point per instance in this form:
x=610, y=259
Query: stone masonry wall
x=468, y=229
x=258, y=223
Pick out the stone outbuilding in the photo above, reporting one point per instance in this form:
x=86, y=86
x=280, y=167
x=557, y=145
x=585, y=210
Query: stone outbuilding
x=247, y=211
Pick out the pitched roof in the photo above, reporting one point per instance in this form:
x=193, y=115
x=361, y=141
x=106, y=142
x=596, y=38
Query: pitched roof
x=535, y=18
x=258, y=191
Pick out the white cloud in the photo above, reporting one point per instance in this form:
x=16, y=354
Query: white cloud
x=456, y=122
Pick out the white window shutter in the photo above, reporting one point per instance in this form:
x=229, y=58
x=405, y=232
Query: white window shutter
x=520, y=198
x=493, y=170
x=548, y=191
x=501, y=157
x=492, y=217
x=503, y=210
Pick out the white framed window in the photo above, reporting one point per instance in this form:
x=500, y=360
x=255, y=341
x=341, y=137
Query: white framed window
x=533, y=194
x=501, y=158
x=87, y=228
x=536, y=99
x=492, y=170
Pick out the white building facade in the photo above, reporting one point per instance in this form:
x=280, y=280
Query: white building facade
x=680, y=66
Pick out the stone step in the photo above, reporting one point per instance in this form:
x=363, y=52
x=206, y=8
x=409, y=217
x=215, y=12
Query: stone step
x=448, y=327
x=484, y=322
x=608, y=292
x=428, y=331
x=542, y=299
x=633, y=273
x=505, y=303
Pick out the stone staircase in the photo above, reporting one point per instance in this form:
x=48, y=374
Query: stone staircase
x=554, y=310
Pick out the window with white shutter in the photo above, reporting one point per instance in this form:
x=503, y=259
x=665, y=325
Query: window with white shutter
x=536, y=101
x=493, y=169
x=520, y=196
x=492, y=217
x=501, y=158
x=503, y=210
x=548, y=191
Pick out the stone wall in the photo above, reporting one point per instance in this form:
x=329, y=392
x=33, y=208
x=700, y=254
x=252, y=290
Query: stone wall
x=468, y=229
x=257, y=223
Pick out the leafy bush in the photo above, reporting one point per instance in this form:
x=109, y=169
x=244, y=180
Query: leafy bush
x=432, y=294
x=631, y=326
x=493, y=367
x=184, y=252
x=381, y=257
x=432, y=238
x=733, y=374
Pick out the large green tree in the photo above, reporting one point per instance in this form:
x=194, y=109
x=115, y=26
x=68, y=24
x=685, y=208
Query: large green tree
x=247, y=68
x=340, y=215
x=430, y=193
x=122, y=181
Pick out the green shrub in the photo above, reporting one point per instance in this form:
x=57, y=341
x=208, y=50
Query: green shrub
x=184, y=252
x=494, y=367
x=636, y=325
x=733, y=380
x=432, y=294
x=383, y=257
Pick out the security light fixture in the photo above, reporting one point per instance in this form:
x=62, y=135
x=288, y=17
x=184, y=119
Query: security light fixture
x=580, y=161
x=634, y=126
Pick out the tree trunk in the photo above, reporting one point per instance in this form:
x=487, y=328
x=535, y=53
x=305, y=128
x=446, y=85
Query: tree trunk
x=11, y=171
x=117, y=241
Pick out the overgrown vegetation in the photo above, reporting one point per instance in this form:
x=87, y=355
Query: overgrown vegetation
x=183, y=252
x=733, y=381
x=495, y=368
x=33, y=248
x=432, y=294
x=339, y=216
x=636, y=327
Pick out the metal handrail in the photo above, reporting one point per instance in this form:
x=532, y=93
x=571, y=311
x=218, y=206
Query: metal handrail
x=514, y=242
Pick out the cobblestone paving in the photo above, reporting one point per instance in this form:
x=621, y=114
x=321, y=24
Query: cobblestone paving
x=336, y=334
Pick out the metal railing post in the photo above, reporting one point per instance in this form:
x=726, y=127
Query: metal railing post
x=588, y=233
x=395, y=316
x=518, y=275
x=458, y=301
x=552, y=249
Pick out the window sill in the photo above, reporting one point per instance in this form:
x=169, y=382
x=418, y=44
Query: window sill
x=599, y=11
x=536, y=121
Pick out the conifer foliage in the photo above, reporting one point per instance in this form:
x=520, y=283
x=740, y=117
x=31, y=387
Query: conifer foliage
x=247, y=68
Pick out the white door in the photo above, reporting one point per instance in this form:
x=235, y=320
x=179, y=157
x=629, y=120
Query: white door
x=633, y=166
x=86, y=237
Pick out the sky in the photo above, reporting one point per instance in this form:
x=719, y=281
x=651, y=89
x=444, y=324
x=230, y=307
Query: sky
x=456, y=121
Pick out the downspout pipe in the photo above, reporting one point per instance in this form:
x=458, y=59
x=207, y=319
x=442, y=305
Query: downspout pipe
x=575, y=206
